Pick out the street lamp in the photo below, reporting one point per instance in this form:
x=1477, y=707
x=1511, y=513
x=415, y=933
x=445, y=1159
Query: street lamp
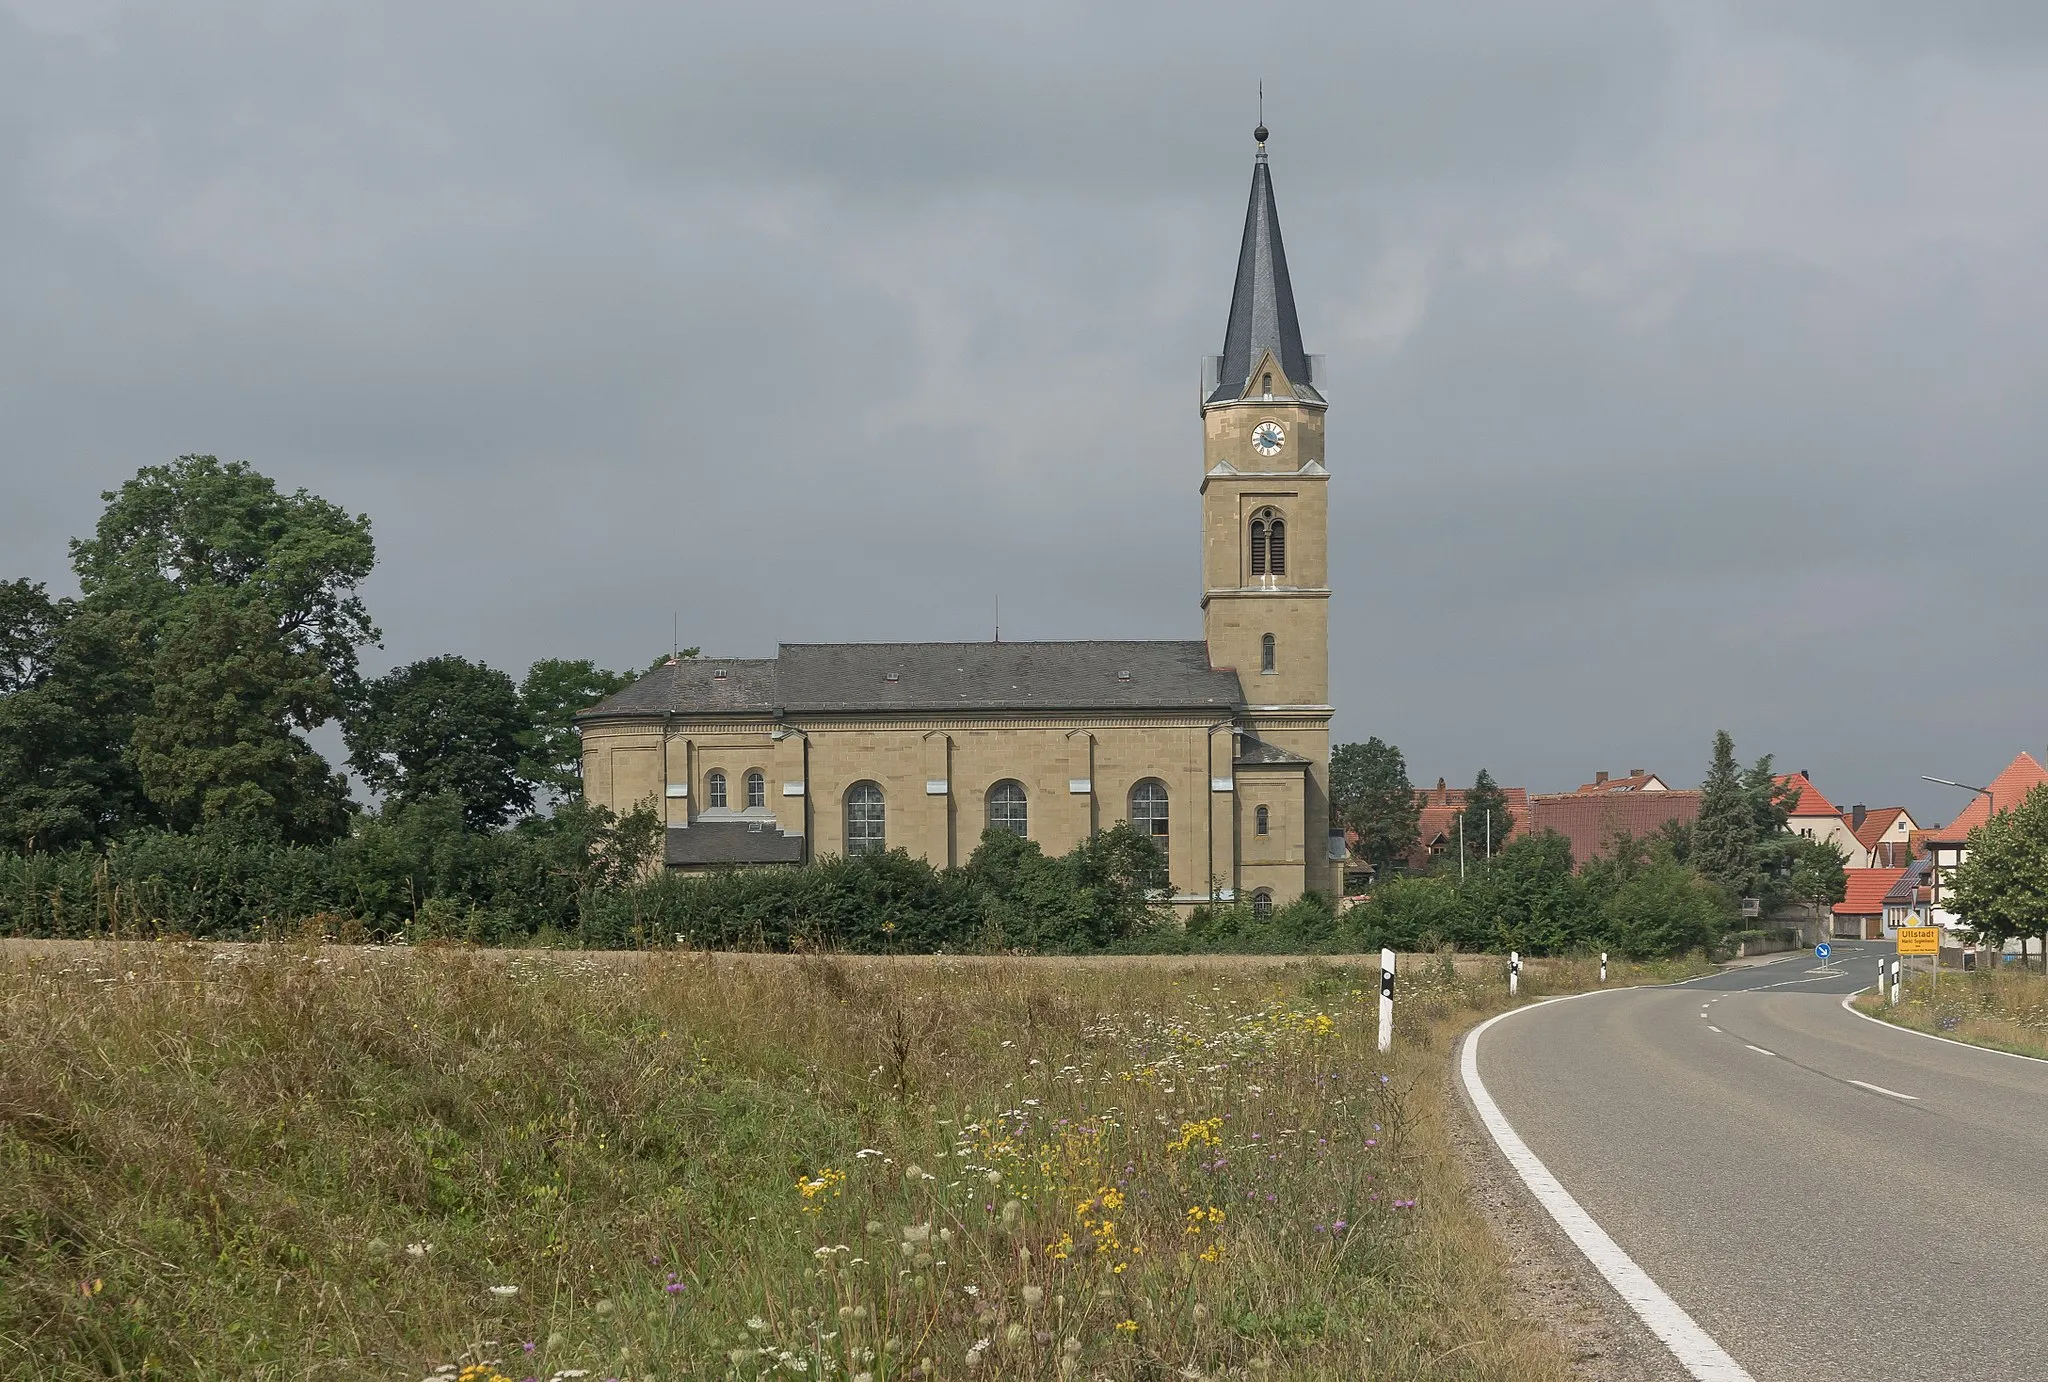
x=1990, y=802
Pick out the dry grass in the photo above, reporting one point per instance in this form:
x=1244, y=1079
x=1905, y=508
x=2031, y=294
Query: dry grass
x=301, y=1162
x=2005, y=1009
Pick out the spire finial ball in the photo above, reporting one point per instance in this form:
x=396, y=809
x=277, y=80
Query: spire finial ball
x=1260, y=134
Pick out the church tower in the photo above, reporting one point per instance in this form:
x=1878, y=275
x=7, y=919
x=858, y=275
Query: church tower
x=1265, y=524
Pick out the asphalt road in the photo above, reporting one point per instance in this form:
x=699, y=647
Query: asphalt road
x=1743, y=1139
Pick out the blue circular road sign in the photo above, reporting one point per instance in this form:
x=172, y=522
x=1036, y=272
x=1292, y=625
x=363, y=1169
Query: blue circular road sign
x=1821, y=951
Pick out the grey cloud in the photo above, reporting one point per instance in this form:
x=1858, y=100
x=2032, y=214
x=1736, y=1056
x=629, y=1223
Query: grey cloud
x=1683, y=360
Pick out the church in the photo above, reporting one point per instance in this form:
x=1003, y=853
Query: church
x=1217, y=749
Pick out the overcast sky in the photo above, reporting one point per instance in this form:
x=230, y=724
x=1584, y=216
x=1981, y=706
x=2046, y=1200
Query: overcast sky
x=1686, y=361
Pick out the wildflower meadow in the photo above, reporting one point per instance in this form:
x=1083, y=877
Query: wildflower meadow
x=329, y=1162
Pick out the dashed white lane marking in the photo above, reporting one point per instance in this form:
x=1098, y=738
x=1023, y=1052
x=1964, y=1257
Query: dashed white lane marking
x=1715, y=1030
x=1760, y=1050
x=1692, y=1346
x=1880, y=1089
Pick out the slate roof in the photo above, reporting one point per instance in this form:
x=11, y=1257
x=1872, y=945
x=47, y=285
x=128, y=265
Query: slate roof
x=1262, y=315
x=1258, y=753
x=1866, y=891
x=711, y=844
x=819, y=678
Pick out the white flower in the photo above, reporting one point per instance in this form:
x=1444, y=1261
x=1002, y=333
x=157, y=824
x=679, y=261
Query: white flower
x=867, y=1152
x=1033, y=1294
x=757, y=1324
x=972, y=1290
x=418, y=1249
x=506, y=1291
x=821, y=1253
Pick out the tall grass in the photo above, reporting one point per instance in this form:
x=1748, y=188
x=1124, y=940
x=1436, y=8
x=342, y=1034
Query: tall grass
x=2004, y=1008
x=341, y=1162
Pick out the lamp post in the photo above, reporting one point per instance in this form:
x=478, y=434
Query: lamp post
x=1990, y=809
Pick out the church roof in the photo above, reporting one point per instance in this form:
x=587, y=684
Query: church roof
x=919, y=677
x=708, y=844
x=1262, y=315
x=1258, y=753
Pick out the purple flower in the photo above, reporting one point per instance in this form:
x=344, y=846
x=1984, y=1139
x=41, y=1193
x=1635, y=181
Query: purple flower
x=675, y=1288
x=528, y=1346
x=1339, y=1226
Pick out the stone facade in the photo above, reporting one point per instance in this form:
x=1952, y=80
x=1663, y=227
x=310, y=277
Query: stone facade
x=763, y=760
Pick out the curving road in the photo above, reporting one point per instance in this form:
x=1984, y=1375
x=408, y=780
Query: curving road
x=1827, y=1197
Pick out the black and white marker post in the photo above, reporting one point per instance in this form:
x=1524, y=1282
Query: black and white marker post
x=1514, y=972
x=1386, y=1000
x=1603, y=966
x=1895, y=979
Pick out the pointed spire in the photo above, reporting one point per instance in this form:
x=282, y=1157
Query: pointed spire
x=1262, y=305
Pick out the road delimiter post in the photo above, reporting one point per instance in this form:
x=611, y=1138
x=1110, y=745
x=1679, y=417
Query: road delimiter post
x=1386, y=1000
x=1895, y=979
x=1603, y=966
x=1514, y=972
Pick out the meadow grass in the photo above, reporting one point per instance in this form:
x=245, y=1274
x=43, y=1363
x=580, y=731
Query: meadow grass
x=2005, y=1008
x=307, y=1161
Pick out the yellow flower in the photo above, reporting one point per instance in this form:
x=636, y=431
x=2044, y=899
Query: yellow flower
x=1127, y=1327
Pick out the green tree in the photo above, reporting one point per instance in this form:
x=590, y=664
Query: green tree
x=1371, y=796
x=444, y=726
x=550, y=749
x=1724, y=835
x=68, y=699
x=198, y=524
x=2001, y=887
x=1486, y=817
x=1816, y=872
x=217, y=741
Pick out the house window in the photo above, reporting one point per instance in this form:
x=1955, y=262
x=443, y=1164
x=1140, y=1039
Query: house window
x=757, y=788
x=864, y=833
x=1267, y=658
x=1261, y=818
x=1262, y=903
x=714, y=791
x=1148, y=808
x=1007, y=809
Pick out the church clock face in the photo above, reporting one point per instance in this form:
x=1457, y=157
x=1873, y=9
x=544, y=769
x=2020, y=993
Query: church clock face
x=1268, y=438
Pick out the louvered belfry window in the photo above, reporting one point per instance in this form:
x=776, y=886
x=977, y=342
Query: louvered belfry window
x=1269, y=544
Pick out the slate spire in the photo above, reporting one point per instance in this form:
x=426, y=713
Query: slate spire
x=1262, y=305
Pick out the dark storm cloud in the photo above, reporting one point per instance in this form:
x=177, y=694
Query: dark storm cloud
x=1684, y=360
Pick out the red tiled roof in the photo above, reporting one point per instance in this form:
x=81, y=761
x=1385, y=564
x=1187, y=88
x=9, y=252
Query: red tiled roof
x=1590, y=821
x=1875, y=823
x=2008, y=790
x=1440, y=808
x=1865, y=895
x=1634, y=782
x=1805, y=798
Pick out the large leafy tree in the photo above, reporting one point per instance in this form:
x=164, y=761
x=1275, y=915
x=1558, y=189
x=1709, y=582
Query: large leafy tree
x=217, y=743
x=1486, y=816
x=203, y=524
x=1816, y=872
x=68, y=699
x=444, y=726
x=1371, y=796
x=550, y=750
x=2001, y=888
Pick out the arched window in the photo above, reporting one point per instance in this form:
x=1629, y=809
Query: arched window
x=864, y=833
x=714, y=790
x=1269, y=544
x=1262, y=903
x=1007, y=809
x=1260, y=819
x=1268, y=385
x=1148, y=808
x=1266, y=653
x=757, y=788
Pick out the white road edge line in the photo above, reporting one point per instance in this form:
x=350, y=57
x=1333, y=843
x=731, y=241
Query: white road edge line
x=1880, y=1089
x=1946, y=1041
x=1760, y=1050
x=1692, y=1346
x=1715, y=1030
